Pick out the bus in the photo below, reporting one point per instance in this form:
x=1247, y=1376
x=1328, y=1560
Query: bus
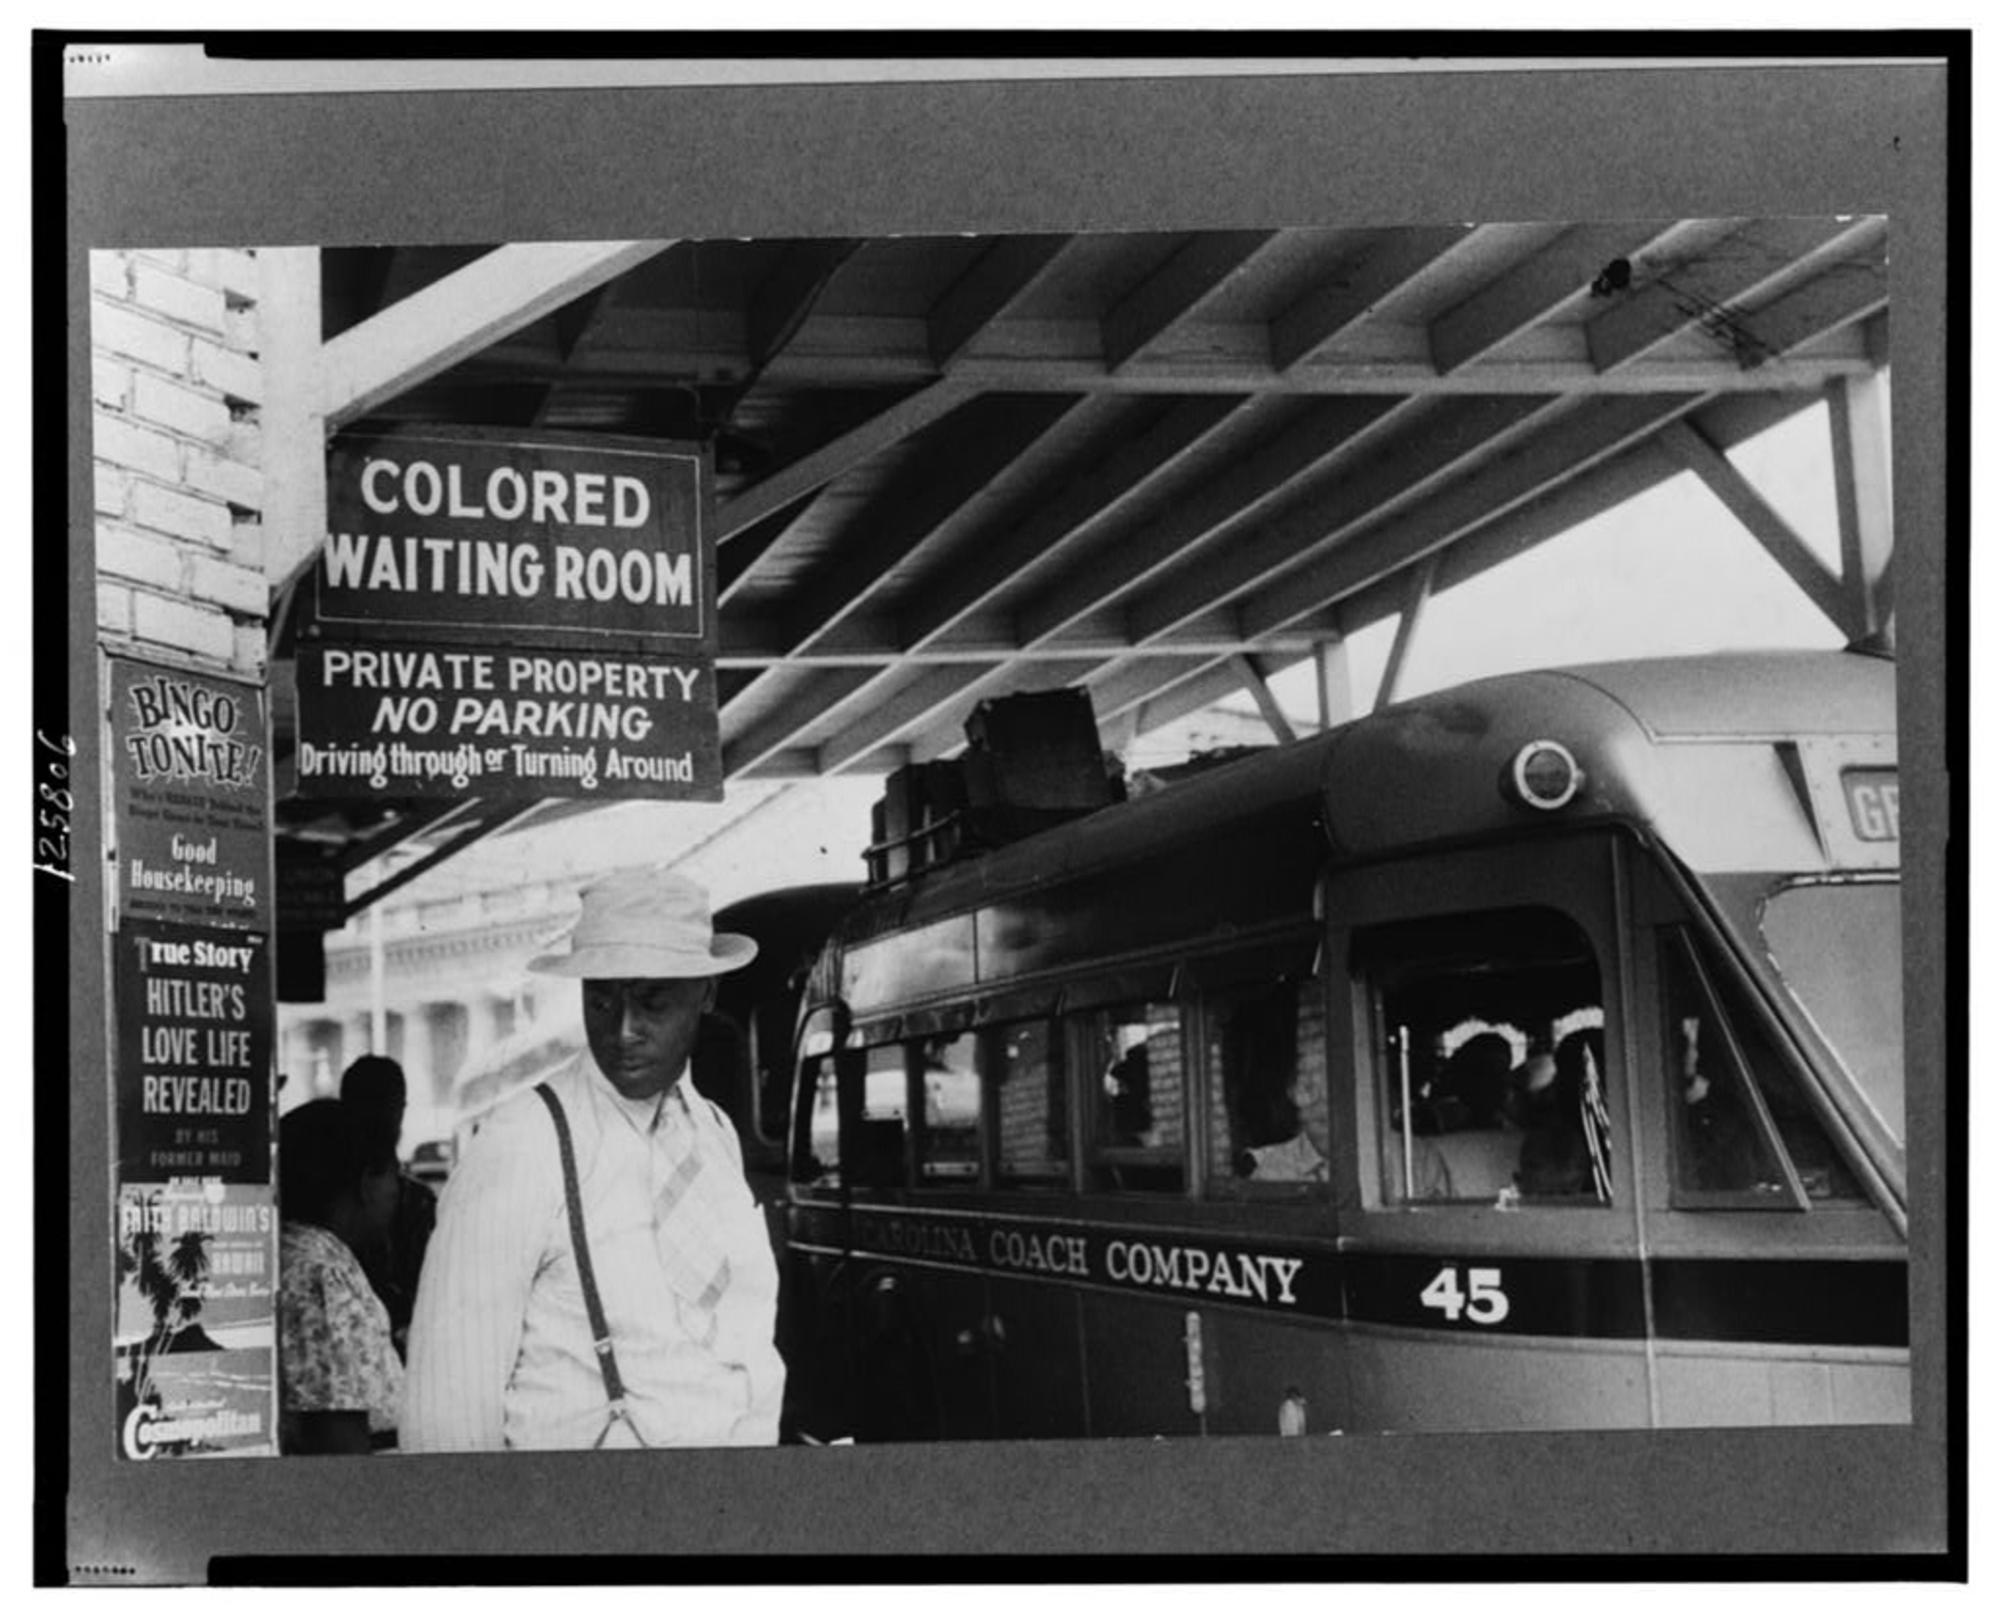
x=1522, y=1056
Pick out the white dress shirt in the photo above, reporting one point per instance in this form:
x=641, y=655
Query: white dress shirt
x=500, y=1347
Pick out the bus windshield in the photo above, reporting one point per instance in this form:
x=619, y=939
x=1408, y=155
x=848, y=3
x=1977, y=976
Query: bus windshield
x=1839, y=948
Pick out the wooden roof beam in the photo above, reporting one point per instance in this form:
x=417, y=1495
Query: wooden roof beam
x=757, y=643
x=884, y=353
x=1534, y=289
x=575, y=320
x=799, y=763
x=1341, y=302
x=1125, y=682
x=785, y=296
x=953, y=482
x=811, y=472
x=1192, y=691
x=735, y=564
x=1177, y=289
x=1441, y=446
x=1708, y=292
x=935, y=693
x=1610, y=482
x=942, y=732
x=1330, y=434
x=1080, y=510
x=828, y=690
x=998, y=281
x=453, y=318
x=1388, y=546
x=1846, y=293
x=929, y=721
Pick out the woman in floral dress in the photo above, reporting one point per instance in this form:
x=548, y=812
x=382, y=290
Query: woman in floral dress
x=339, y=1377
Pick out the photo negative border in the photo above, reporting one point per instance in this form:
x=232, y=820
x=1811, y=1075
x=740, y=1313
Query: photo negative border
x=1387, y=141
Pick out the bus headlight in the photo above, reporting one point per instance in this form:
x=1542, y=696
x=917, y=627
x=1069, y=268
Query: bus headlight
x=1544, y=775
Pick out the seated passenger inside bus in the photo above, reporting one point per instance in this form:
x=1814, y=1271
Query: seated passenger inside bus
x=1274, y=1099
x=1477, y=1143
x=1471, y=1010
x=1564, y=1146
x=1722, y=1147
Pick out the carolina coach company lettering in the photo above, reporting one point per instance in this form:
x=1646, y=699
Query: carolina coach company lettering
x=1089, y=1256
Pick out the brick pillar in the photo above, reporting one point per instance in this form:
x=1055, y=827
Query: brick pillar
x=176, y=385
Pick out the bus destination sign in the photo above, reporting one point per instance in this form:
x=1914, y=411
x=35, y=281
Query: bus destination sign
x=1873, y=805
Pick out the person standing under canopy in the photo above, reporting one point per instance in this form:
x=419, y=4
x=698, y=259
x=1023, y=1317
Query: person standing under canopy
x=339, y=1380
x=373, y=1088
x=600, y=1275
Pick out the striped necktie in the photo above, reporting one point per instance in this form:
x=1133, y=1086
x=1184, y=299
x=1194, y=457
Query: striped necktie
x=689, y=1200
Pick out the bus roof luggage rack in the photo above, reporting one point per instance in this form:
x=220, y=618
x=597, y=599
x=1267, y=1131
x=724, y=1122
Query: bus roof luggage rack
x=1032, y=762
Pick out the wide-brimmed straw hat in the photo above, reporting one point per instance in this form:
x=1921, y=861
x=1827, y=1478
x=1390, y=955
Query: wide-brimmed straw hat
x=648, y=925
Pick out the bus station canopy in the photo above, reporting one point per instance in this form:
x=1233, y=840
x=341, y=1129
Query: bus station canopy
x=1159, y=466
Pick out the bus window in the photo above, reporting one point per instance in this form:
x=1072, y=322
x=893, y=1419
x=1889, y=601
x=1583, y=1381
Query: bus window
x=1024, y=1066
x=1743, y=1132
x=1267, y=1088
x=1137, y=1113
x=819, y=1122
x=882, y=1128
x=1839, y=946
x=948, y=1086
x=1491, y=1077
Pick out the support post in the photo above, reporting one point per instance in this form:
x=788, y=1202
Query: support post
x=293, y=427
x=1334, y=681
x=1252, y=678
x=1722, y=478
x=1862, y=499
x=1406, y=630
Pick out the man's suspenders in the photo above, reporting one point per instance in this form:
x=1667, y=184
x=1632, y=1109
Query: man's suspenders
x=600, y=1331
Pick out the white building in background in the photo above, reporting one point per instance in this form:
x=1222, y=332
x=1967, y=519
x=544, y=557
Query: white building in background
x=454, y=944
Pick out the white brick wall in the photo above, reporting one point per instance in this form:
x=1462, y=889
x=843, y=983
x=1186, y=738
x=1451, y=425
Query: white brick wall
x=114, y=608
x=119, y=442
x=166, y=510
x=183, y=624
x=235, y=375
x=198, y=415
x=141, y=558
x=179, y=299
x=175, y=384
x=110, y=383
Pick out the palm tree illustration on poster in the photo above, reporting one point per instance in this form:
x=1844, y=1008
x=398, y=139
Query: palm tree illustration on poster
x=169, y=1278
x=194, y=1349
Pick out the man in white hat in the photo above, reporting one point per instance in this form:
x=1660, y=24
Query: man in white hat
x=630, y=1300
